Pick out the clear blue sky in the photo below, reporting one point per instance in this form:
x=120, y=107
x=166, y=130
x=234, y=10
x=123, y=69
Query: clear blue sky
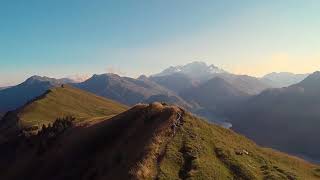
x=61, y=38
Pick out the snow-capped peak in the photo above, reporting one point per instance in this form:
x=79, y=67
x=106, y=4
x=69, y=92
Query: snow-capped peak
x=193, y=69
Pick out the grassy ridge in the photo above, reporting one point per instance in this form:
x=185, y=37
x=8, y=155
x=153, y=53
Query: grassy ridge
x=66, y=100
x=204, y=151
x=141, y=144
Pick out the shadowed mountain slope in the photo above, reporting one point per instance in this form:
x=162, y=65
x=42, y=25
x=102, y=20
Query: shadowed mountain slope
x=213, y=98
x=128, y=90
x=176, y=82
x=60, y=102
x=147, y=142
x=291, y=114
x=247, y=84
x=214, y=93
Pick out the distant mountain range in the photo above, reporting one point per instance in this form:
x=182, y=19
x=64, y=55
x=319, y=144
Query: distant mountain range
x=128, y=90
x=122, y=89
x=192, y=74
x=211, y=91
x=253, y=105
x=195, y=70
x=176, y=85
x=283, y=79
x=287, y=118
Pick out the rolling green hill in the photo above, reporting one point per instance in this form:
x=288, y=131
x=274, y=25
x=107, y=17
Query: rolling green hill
x=14, y=97
x=59, y=102
x=148, y=142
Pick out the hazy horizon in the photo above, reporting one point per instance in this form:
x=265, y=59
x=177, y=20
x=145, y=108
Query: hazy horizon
x=80, y=38
x=82, y=77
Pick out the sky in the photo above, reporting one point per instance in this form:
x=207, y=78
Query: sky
x=78, y=38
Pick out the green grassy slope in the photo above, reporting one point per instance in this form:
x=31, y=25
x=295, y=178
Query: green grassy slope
x=141, y=144
x=66, y=100
x=204, y=151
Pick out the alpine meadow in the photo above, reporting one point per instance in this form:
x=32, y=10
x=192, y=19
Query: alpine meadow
x=117, y=90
